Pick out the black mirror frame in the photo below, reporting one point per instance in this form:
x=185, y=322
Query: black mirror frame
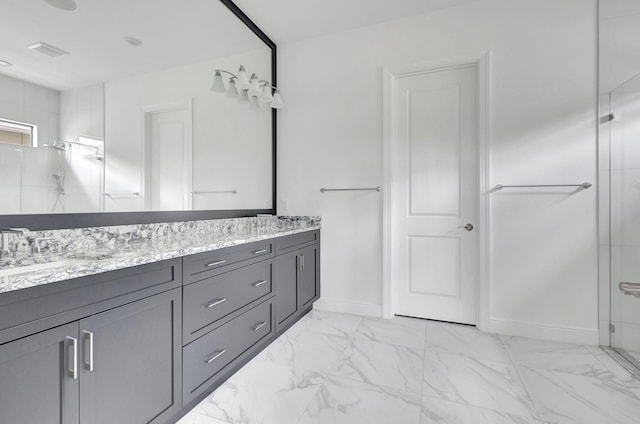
x=37, y=222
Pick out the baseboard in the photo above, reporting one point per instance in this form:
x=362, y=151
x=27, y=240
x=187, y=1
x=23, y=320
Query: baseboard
x=575, y=335
x=349, y=307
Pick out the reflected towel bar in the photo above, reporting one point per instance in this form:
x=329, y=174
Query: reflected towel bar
x=112, y=195
x=584, y=186
x=214, y=192
x=631, y=289
x=324, y=190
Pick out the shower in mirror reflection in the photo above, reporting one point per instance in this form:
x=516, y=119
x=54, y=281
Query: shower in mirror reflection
x=240, y=86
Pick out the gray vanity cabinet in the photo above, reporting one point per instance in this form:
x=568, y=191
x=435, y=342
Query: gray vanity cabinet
x=296, y=276
x=94, y=350
x=308, y=276
x=36, y=379
x=130, y=361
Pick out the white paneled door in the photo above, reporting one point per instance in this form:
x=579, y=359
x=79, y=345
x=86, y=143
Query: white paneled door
x=169, y=160
x=434, y=239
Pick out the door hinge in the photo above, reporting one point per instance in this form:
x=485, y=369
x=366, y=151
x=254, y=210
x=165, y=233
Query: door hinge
x=612, y=328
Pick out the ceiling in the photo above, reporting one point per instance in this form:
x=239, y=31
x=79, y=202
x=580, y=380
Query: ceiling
x=174, y=33
x=287, y=21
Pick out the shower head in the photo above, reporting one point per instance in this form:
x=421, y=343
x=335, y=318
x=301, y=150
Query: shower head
x=57, y=145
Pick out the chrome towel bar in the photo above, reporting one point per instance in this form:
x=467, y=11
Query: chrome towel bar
x=112, y=195
x=583, y=186
x=324, y=190
x=214, y=192
x=631, y=289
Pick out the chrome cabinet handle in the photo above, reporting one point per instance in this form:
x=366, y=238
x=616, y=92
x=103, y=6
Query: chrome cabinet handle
x=74, y=370
x=259, y=326
x=216, y=263
x=215, y=302
x=631, y=289
x=89, y=364
x=302, y=261
x=468, y=227
x=259, y=283
x=214, y=356
x=257, y=252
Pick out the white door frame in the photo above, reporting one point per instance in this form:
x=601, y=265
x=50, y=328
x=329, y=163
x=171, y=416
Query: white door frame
x=390, y=74
x=187, y=166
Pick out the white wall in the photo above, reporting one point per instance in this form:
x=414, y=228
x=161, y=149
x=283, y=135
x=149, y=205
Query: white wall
x=543, y=255
x=231, y=140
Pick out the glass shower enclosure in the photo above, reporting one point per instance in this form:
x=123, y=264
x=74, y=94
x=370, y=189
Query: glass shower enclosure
x=624, y=219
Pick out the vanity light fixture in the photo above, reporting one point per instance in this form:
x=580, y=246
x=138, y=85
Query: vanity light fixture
x=247, y=88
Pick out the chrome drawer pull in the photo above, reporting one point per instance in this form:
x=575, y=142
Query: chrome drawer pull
x=216, y=263
x=257, y=252
x=215, y=302
x=215, y=356
x=259, y=283
x=74, y=371
x=259, y=326
x=89, y=364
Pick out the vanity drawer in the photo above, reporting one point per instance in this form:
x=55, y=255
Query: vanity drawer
x=295, y=241
x=209, y=300
x=204, y=265
x=207, y=356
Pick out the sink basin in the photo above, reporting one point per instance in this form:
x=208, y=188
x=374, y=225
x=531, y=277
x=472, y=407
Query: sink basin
x=43, y=267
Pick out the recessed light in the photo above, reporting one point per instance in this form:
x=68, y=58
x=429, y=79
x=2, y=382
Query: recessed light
x=5, y=63
x=132, y=41
x=68, y=5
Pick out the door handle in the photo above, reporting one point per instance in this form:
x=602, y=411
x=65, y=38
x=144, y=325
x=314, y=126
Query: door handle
x=73, y=370
x=210, y=264
x=468, y=227
x=215, y=302
x=89, y=364
x=259, y=283
x=215, y=355
x=259, y=325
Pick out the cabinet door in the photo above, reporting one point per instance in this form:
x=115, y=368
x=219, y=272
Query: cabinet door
x=307, y=279
x=37, y=382
x=285, y=274
x=131, y=361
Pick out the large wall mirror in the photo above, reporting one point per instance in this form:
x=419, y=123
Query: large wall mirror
x=107, y=114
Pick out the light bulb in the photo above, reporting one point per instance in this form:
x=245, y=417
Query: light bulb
x=254, y=89
x=243, y=81
x=232, y=91
x=266, y=97
x=218, y=85
x=244, y=98
x=277, y=101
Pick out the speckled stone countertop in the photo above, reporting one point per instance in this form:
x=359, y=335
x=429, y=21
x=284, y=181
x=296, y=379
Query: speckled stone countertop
x=46, y=257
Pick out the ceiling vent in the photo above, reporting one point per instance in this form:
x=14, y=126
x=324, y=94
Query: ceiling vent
x=47, y=49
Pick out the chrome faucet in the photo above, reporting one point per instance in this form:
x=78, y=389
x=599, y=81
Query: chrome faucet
x=4, y=246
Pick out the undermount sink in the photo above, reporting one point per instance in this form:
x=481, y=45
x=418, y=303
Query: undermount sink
x=7, y=272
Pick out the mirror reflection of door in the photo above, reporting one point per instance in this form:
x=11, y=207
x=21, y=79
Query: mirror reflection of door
x=168, y=165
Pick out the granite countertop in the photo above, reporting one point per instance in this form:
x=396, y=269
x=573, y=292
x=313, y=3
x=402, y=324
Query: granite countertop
x=71, y=263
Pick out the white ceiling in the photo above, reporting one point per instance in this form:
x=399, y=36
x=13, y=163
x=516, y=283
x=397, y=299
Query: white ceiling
x=287, y=21
x=174, y=33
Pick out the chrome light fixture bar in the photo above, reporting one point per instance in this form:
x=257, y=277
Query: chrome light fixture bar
x=245, y=88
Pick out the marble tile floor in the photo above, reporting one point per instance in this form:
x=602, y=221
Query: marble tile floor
x=332, y=368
